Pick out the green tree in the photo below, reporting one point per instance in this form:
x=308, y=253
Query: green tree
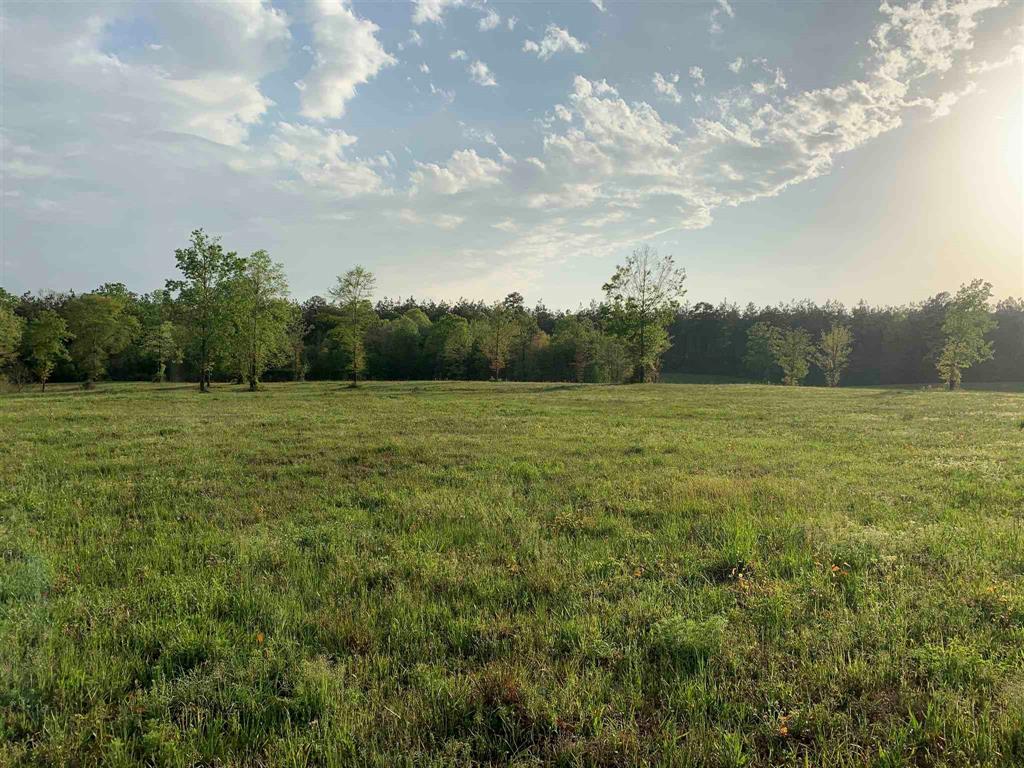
x=968, y=320
x=45, y=340
x=760, y=352
x=612, y=359
x=162, y=345
x=644, y=295
x=448, y=345
x=833, y=352
x=11, y=329
x=576, y=341
x=261, y=314
x=101, y=327
x=495, y=333
x=204, y=299
x=352, y=294
x=295, y=332
x=793, y=348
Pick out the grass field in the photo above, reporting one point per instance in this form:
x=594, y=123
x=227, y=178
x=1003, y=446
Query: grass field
x=470, y=573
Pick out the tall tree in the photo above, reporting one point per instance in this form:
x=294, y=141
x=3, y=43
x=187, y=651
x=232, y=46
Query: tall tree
x=576, y=342
x=204, y=298
x=260, y=315
x=448, y=345
x=162, y=345
x=101, y=327
x=793, y=348
x=495, y=332
x=45, y=340
x=760, y=354
x=11, y=328
x=296, y=331
x=833, y=352
x=352, y=294
x=644, y=294
x=968, y=320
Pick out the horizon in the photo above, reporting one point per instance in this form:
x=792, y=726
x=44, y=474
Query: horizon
x=781, y=152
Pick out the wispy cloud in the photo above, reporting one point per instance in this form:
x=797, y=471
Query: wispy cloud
x=667, y=86
x=481, y=74
x=555, y=40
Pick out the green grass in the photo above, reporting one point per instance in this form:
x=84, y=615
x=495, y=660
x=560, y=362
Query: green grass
x=489, y=574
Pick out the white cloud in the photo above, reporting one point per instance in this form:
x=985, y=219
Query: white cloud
x=1015, y=56
x=447, y=96
x=445, y=221
x=490, y=20
x=667, y=86
x=481, y=74
x=555, y=40
x=736, y=64
x=432, y=10
x=347, y=54
x=714, y=26
x=612, y=155
x=511, y=22
x=317, y=156
x=448, y=221
x=477, y=134
x=697, y=75
x=465, y=170
x=190, y=85
x=459, y=55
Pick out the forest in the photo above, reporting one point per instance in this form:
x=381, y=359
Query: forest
x=230, y=318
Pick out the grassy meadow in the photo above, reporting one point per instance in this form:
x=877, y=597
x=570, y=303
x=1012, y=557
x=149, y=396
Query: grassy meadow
x=458, y=574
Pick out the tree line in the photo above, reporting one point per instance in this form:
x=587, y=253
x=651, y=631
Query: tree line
x=227, y=317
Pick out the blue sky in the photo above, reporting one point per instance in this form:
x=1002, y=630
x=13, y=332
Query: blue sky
x=779, y=150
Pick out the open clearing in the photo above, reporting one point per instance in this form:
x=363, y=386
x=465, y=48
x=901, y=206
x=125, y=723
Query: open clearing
x=472, y=573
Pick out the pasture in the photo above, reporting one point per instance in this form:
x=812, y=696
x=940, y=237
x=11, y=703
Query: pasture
x=472, y=573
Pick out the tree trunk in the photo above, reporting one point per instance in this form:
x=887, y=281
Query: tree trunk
x=643, y=350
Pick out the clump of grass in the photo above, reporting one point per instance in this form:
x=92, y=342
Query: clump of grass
x=688, y=643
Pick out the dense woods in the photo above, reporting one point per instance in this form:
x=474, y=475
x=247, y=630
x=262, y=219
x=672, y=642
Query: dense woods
x=230, y=318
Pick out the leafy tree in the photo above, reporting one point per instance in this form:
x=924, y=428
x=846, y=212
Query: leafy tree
x=967, y=322
x=833, y=352
x=398, y=348
x=612, y=359
x=11, y=328
x=261, y=314
x=524, y=329
x=204, y=298
x=495, y=333
x=644, y=294
x=101, y=327
x=45, y=340
x=577, y=342
x=760, y=354
x=295, y=332
x=448, y=345
x=793, y=348
x=352, y=294
x=162, y=345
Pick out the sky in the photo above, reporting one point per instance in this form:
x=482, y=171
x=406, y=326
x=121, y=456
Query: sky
x=778, y=150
